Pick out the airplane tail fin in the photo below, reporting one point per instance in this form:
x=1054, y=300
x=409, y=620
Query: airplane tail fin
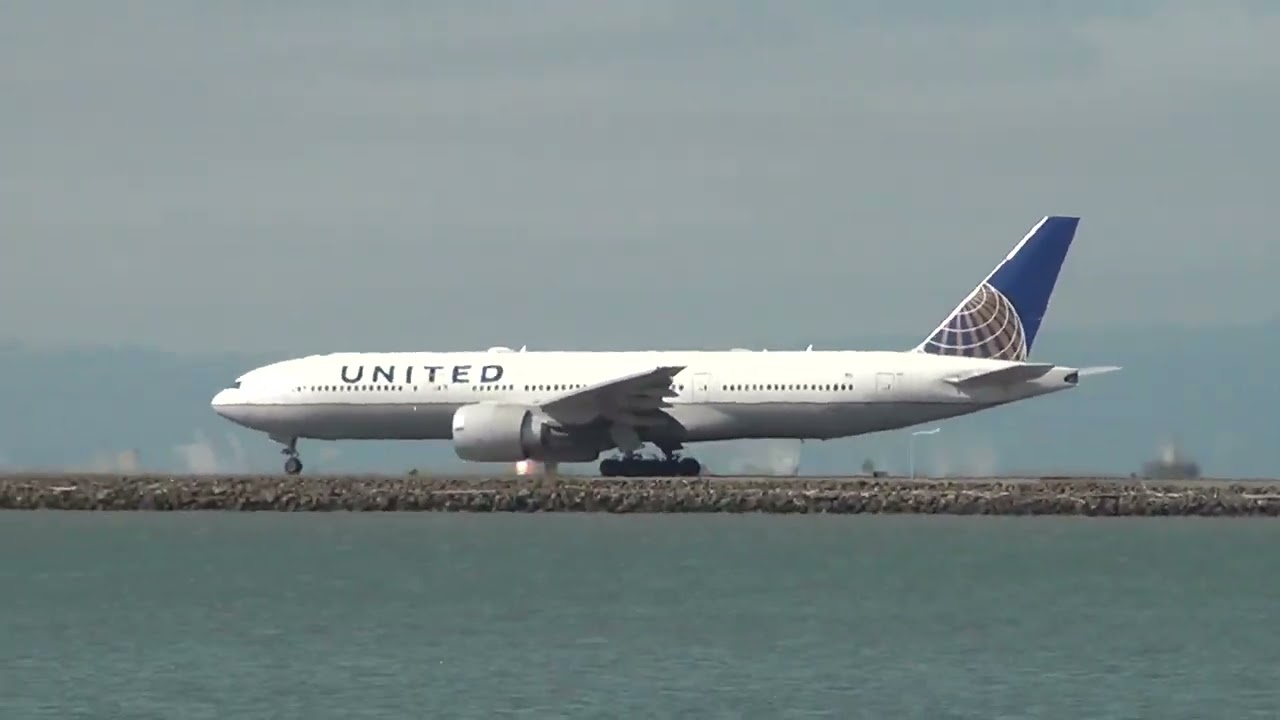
x=1000, y=317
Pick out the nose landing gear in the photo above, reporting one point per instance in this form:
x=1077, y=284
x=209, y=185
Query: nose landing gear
x=293, y=464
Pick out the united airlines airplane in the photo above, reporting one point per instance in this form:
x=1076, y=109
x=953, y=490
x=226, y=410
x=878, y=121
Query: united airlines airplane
x=551, y=407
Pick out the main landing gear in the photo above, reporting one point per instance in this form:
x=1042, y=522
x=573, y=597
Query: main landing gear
x=293, y=465
x=635, y=465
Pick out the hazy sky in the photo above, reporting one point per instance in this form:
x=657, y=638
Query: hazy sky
x=282, y=177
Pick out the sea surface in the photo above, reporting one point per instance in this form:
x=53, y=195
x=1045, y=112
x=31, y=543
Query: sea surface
x=226, y=615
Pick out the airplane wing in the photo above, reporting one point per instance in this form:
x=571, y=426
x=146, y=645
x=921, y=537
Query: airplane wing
x=624, y=399
x=1003, y=376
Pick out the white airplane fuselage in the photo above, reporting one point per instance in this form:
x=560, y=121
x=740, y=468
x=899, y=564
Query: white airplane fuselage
x=719, y=395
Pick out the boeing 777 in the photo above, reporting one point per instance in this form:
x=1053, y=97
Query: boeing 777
x=568, y=407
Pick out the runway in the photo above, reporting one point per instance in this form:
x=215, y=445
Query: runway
x=1094, y=496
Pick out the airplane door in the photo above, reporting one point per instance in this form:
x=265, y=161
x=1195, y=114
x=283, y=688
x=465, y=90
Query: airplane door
x=700, y=390
x=884, y=382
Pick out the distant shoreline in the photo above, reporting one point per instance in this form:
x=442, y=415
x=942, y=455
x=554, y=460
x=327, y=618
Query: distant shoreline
x=1093, y=496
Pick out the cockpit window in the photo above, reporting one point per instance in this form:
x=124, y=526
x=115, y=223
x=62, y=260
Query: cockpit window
x=236, y=385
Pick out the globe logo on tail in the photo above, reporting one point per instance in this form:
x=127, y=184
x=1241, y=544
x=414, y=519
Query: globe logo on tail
x=985, y=326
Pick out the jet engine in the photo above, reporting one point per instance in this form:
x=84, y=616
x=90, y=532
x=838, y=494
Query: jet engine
x=498, y=432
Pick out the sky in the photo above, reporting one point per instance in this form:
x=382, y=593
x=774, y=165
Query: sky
x=299, y=177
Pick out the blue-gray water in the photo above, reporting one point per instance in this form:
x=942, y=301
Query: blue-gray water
x=213, y=615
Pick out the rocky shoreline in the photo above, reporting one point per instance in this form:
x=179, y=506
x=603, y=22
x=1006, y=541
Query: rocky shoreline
x=1081, y=496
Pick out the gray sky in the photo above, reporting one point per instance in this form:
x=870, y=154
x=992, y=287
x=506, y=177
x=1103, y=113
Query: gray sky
x=428, y=175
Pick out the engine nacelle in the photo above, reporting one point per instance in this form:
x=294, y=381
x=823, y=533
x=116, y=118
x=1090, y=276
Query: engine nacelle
x=497, y=432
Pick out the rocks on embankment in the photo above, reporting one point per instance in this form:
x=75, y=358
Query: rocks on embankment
x=639, y=495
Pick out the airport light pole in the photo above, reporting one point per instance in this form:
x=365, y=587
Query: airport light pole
x=912, y=445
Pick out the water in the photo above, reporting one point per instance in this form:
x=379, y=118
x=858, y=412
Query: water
x=210, y=615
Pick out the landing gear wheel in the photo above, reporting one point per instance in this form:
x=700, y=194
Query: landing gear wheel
x=636, y=466
x=293, y=465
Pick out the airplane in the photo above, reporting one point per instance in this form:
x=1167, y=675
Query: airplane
x=552, y=407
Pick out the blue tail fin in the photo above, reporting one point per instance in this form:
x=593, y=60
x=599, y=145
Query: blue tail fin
x=1000, y=318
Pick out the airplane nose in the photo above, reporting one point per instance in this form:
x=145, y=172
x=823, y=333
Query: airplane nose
x=233, y=404
x=223, y=400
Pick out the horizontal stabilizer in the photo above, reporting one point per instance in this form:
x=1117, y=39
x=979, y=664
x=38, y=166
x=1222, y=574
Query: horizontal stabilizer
x=1007, y=375
x=1099, y=370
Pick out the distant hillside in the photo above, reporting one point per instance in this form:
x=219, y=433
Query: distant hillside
x=1209, y=389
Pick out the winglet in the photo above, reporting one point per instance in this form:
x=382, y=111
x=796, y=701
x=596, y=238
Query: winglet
x=999, y=319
